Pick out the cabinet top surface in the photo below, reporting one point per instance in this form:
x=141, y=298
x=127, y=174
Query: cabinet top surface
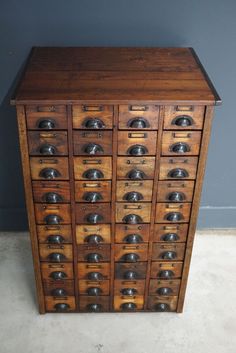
x=114, y=75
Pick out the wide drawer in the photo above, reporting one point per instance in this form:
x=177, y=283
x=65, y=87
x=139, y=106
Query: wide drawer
x=175, y=191
x=172, y=212
x=54, y=234
x=94, y=288
x=166, y=270
x=55, y=252
x=57, y=272
x=93, y=234
x=93, y=191
x=49, y=168
x=123, y=287
x=52, y=214
x=135, y=168
x=58, y=288
x=92, y=142
x=162, y=304
x=181, y=143
x=133, y=212
x=137, y=143
x=94, y=303
x=164, y=288
x=132, y=233
x=94, y=253
x=128, y=303
x=92, y=168
x=92, y=116
x=136, y=117
x=94, y=271
x=133, y=191
x=183, y=117
x=178, y=168
x=170, y=232
x=51, y=191
x=130, y=271
x=58, y=304
x=47, y=143
x=168, y=252
x=131, y=252
x=93, y=213
x=46, y=117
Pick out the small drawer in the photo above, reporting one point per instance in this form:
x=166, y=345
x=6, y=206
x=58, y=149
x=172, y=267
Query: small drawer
x=49, y=168
x=131, y=252
x=92, y=142
x=57, y=272
x=134, y=191
x=138, y=117
x=137, y=143
x=94, y=271
x=94, y=253
x=52, y=214
x=133, y=213
x=128, y=303
x=184, y=117
x=51, y=191
x=92, y=117
x=136, y=168
x=129, y=288
x=130, y=271
x=166, y=270
x=170, y=232
x=94, y=303
x=181, y=143
x=60, y=304
x=47, y=143
x=164, y=288
x=172, y=212
x=94, y=288
x=93, y=191
x=175, y=191
x=92, y=168
x=178, y=168
x=162, y=304
x=93, y=234
x=132, y=233
x=46, y=117
x=58, y=288
x=54, y=234
x=93, y=213
x=168, y=252
x=55, y=252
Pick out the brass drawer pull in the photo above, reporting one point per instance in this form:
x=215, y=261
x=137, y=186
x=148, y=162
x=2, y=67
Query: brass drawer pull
x=181, y=135
x=132, y=207
x=56, y=266
x=171, y=227
x=132, y=247
x=51, y=208
x=87, y=229
x=91, y=185
x=94, y=266
x=135, y=162
x=92, y=161
x=133, y=183
x=173, y=207
x=137, y=135
x=184, y=108
x=128, y=282
x=92, y=134
x=92, y=108
x=50, y=135
x=48, y=109
x=138, y=108
x=93, y=283
x=48, y=161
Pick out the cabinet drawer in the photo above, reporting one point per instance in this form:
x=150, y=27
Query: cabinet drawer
x=47, y=143
x=133, y=191
x=166, y=270
x=51, y=192
x=54, y=234
x=93, y=213
x=135, y=117
x=162, y=304
x=137, y=143
x=168, y=252
x=94, y=303
x=92, y=116
x=172, y=212
x=52, y=214
x=133, y=212
x=181, y=143
x=55, y=252
x=123, y=287
x=135, y=168
x=92, y=142
x=94, y=253
x=183, y=117
x=60, y=304
x=178, y=168
x=131, y=252
x=46, y=117
x=132, y=233
x=164, y=288
x=57, y=272
x=131, y=271
x=170, y=232
x=93, y=168
x=58, y=288
x=94, y=288
x=94, y=271
x=49, y=168
x=128, y=303
x=93, y=234
x=175, y=191
x=93, y=191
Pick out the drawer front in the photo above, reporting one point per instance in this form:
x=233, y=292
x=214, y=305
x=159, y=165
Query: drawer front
x=92, y=142
x=133, y=191
x=170, y=232
x=137, y=117
x=166, y=270
x=168, y=252
x=54, y=234
x=58, y=304
x=93, y=168
x=94, y=288
x=133, y=212
x=55, y=252
x=131, y=271
x=57, y=272
x=92, y=116
x=47, y=143
x=93, y=191
x=172, y=212
x=137, y=168
x=137, y=143
x=178, y=168
x=132, y=233
x=175, y=191
x=94, y=271
x=52, y=214
x=58, y=288
x=94, y=303
x=128, y=303
x=49, y=168
x=51, y=192
x=183, y=117
x=94, y=253
x=181, y=143
x=123, y=287
x=46, y=117
x=131, y=252
x=93, y=234
x=93, y=213
x=164, y=288
x=162, y=304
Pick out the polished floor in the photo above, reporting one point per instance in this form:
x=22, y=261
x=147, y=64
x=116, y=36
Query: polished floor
x=207, y=325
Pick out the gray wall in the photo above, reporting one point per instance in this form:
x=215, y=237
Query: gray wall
x=207, y=25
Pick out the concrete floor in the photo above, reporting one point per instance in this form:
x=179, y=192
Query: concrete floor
x=208, y=323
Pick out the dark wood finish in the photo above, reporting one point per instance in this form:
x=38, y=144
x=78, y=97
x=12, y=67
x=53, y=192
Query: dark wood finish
x=57, y=140
x=143, y=187
x=60, y=164
x=141, y=209
x=103, y=250
x=171, y=302
x=42, y=188
x=159, y=250
x=84, y=269
x=85, y=285
x=83, y=112
x=101, y=187
x=139, y=268
x=138, y=300
x=128, y=113
x=45, y=232
x=83, y=232
x=61, y=210
x=123, y=230
x=84, y=210
x=83, y=164
x=49, y=268
x=161, y=230
x=164, y=210
x=156, y=285
x=144, y=164
x=139, y=249
x=166, y=188
x=137, y=285
x=191, y=139
x=194, y=112
x=51, y=303
x=85, y=301
x=168, y=164
x=175, y=267
x=82, y=139
x=35, y=114
x=46, y=250
x=49, y=287
x=129, y=139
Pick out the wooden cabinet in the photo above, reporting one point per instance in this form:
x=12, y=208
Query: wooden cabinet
x=113, y=144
